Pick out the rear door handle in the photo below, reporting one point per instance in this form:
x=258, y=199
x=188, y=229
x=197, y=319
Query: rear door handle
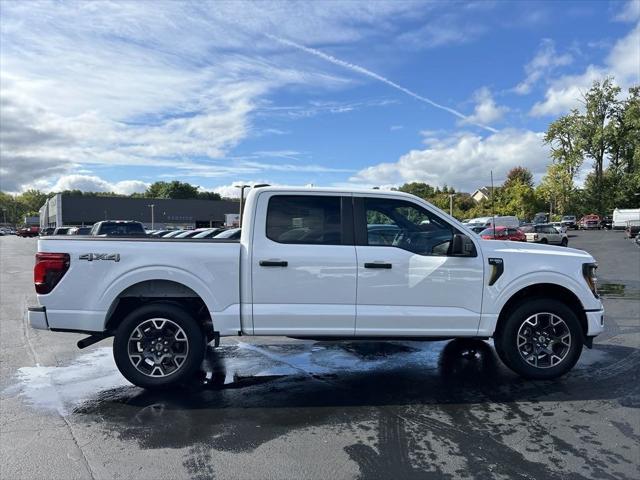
x=377, y=265
x=273, y=263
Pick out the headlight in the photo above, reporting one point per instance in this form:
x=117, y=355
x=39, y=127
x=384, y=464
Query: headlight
x=589, y=273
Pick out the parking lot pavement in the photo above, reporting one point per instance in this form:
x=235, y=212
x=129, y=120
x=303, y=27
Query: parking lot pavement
x=278, y=408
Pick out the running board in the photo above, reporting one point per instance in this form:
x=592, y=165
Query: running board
x=87, y=342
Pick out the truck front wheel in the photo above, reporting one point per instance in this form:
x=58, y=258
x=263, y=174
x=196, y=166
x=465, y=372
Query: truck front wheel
x=158, y=345
x=541, y=339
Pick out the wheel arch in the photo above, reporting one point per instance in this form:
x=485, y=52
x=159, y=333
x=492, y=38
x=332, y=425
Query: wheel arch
x=158, y=291
x=543, y=290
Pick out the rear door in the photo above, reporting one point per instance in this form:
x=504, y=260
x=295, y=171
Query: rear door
x=411, y=285
x=303, y=265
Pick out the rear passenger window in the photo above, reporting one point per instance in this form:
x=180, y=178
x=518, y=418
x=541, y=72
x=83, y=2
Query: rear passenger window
x=304, y=219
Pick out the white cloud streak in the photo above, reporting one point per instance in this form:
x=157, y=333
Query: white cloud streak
x=375, y=76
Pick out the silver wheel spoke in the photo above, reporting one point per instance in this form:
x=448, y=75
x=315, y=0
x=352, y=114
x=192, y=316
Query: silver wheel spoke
x=158, y=347
x=543, y=340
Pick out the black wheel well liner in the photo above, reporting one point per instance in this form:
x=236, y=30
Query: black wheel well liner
x=158, y=291
x=544, y=290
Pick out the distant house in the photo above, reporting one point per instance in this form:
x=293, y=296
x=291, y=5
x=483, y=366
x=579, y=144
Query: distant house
x=483, y=193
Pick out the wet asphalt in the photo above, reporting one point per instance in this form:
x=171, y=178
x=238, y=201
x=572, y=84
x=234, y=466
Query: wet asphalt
x=276, y=408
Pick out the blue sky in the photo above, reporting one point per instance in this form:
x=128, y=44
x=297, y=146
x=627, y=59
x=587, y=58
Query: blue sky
x=111, y=96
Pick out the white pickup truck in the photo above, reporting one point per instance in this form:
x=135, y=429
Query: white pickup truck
x=319, y=264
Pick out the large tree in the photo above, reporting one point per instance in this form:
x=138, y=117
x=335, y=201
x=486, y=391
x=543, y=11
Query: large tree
x=596, y=127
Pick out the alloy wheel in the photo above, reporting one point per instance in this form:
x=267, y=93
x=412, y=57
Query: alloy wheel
x=544, y=340
x=158, y=347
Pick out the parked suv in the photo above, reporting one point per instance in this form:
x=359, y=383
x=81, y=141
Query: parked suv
x=546, y=233
x=118, y=228
x=569, y=221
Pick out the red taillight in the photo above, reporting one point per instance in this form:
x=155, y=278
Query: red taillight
x=49, y=270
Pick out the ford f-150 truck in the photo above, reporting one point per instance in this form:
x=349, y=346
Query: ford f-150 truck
x=311, y=263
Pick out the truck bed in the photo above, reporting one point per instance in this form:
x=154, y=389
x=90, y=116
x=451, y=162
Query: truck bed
x=102, y=268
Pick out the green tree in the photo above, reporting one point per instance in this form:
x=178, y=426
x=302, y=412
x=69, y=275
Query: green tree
x=178, y=190
x=32, y=199
x=518, y=175
x=596, y=129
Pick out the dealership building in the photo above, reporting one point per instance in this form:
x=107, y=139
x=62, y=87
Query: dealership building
x=81, y=210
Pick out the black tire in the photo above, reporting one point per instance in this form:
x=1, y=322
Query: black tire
x=544, y=240
x=181, y=333
x=564, y=242
x=507, y=340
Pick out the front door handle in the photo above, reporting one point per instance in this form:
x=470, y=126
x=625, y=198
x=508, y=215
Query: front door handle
x=273, y=263
x=377, y=265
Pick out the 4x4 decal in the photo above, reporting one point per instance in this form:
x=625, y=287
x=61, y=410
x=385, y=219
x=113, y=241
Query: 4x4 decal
x=100, y=256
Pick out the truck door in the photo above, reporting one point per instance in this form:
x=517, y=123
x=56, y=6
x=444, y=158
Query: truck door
x=303, y=265
x=409, y=284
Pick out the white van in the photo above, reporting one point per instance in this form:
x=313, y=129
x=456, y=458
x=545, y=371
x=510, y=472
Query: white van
x=505, y=221
x=623, y=215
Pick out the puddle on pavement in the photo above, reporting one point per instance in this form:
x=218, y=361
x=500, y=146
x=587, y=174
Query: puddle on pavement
x=318, y=373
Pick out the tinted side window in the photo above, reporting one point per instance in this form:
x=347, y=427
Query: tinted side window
x=304, y=219
x=408, y=226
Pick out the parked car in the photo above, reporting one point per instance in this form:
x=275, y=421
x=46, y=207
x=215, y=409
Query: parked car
x=230, y=234
x=561, y=227
x=504, y=221
x=546, y=233
x=159, y=233
x=606, y=223
x=61, y=230
x=28, y=232
x=118, y=228
x=381, y=234
x=79, y=231
x=47, y=231
x=173, y=233
x=504, y=233
x=632, y=229
x=540, y=217
x=570, y=221
x=539, y=307
x=191, y=233
x=623, y=215
x=589, y=222
x=209, y=233
x=477, y=228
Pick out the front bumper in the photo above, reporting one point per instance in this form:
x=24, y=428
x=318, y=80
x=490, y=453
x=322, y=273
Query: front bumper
x=595, y=322
x=38, y=318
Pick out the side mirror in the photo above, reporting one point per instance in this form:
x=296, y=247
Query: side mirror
x=462, y=246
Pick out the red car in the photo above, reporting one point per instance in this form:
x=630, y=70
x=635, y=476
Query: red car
x=28, y=232
x=504, y=233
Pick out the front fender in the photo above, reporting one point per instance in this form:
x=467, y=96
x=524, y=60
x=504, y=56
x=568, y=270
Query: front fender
x=500, y=293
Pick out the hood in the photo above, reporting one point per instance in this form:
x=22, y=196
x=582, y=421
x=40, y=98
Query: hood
x=497, y=247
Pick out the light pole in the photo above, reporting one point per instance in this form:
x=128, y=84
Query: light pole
x=451, y=195
x=241, y=187
x=152, y=215
x=4, y=215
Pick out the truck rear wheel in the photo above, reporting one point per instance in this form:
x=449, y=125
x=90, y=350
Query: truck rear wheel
x=541, y=339
x=158, y=346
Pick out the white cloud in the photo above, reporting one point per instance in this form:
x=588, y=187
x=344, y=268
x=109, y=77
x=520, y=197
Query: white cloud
x=622, y=62
x=630, y=12
x=543, y=63
x=232, y=190
x=486, y=111
x=368, y=73
x=463, y=160
x=170, y=85
x=92, y=183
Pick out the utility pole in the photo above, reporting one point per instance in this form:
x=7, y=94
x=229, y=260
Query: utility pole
x=241, y=187
x=152, y=216
x=4, y=215
x=451, y=195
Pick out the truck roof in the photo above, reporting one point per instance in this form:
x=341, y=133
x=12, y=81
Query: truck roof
x=364, y=191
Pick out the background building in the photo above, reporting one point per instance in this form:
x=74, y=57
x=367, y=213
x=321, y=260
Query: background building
x=63, y=210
